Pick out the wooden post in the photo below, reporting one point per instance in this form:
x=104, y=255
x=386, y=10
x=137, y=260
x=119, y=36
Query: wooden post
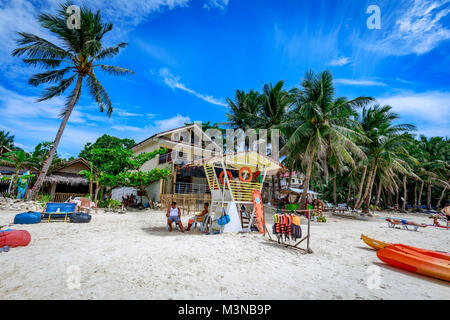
x=307, y=241
x=53, y=191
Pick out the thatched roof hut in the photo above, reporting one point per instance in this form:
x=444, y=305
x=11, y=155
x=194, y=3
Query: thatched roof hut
x=66, y=181
x=68, y=173
x=66, y=178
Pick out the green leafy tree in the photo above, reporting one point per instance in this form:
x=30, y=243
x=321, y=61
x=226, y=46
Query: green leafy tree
x=109, y=154
x=40, y=155
x=131, y=176
x=6, y=139
x=74, y=62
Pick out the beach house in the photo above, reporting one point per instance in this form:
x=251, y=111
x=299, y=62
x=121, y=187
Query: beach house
x=185, y=144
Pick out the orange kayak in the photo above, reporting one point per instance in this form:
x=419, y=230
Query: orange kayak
x=377, y=245
x=373, y=243
x=431, y=253
x=413, y=261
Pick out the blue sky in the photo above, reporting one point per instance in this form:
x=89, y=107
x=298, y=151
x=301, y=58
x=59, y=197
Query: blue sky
x=190, y=55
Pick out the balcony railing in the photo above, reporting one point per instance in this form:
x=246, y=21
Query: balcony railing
x=183, y=188
x=178, y=157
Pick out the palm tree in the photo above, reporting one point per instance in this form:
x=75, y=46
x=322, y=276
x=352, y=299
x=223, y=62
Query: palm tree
x=275, y=106
x=244, y=110
x=6, y=139
x=40, y=155
x=386, y=148
x=435, y=166
x=320, y=123
x=77, y=58
x=19, y=159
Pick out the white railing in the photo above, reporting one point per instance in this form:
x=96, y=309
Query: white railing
x=178, y=157
x=183, y=188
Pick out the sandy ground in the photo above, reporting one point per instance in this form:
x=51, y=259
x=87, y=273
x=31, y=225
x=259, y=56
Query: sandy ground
x=132, y=256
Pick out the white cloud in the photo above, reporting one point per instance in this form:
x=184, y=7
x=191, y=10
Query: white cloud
x=156, y=52
x=339, y=62
x=216, y=4
x=21, y=15
x=126, y=114
x=14, y=105
x=432, y=107
x=418, y=30
x=174, y=82
x=127, y=128
x=141, y=133
x=359, y=82
x=171, y=123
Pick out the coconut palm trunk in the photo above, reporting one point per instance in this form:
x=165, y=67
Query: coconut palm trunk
x=377, y=201
x=429, y=196
x=368, y=185
x=76, y=92
x=14, y=181
x=405, y=194
x=438, y=205
x=419, y=201
x=307, y=178
x=349, y=193
x=334, y=189
x=325, y=169
x=369, y=194
x=361, y=187
x=415, y=195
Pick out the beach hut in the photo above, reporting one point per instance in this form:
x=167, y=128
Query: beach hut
x=232, y=179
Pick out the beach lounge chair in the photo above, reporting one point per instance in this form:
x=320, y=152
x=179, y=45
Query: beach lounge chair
x=56, y=210
x=85, y=205
x=203, y=224
x=405, y=225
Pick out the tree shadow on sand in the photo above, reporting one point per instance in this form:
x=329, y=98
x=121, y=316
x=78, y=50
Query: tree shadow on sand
x=161, y=231
x=412, y=274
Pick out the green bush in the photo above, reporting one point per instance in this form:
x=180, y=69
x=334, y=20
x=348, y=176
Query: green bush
x=43, y=198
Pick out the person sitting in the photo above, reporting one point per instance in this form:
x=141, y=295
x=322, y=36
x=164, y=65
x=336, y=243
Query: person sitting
x=446, y=212
x=174, y=215
x=199, y=217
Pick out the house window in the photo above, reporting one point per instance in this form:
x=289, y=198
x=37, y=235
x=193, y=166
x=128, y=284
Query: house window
x=164, y=158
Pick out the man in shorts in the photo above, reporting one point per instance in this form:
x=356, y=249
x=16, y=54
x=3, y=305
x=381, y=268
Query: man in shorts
x=446, y=212
x=174, y=215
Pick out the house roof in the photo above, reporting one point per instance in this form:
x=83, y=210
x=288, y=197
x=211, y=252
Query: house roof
x=83, y=161
x=71, y=179
x=193, y=126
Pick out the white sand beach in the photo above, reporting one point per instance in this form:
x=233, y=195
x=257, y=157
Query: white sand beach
x=132, y=256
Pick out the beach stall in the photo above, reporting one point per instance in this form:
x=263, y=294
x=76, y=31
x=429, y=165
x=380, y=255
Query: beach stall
x=236, y=181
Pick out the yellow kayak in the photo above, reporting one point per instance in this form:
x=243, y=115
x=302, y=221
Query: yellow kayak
x=377, y=245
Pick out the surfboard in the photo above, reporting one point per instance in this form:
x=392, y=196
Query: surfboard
x=23, y=185
x=259, y=210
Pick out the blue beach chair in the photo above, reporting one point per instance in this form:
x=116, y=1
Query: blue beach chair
x=55, y=210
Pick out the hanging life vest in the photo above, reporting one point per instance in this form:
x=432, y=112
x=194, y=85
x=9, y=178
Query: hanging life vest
x=296, y=228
